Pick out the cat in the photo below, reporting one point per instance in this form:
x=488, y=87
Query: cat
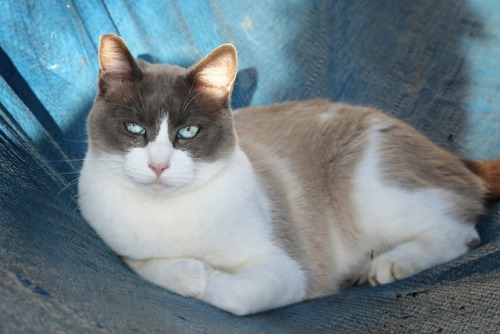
x=266, y=206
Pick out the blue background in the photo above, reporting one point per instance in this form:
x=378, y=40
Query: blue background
x=433, y=64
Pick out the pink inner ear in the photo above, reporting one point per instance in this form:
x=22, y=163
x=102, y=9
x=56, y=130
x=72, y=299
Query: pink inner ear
x=115, y=65
x=216, y=72
x=216, y=92
x=215, y=80
x=114, y=58
x=217, y=75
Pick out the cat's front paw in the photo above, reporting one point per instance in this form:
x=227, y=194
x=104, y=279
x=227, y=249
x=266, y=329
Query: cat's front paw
x=190, y=277
x=187, y=277
x=388, y=268
x=222, y=293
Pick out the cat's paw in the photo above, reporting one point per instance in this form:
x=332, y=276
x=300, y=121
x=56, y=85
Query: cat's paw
x=190, y=277
x=219, y=294
x=388, y=268
x=187, y=277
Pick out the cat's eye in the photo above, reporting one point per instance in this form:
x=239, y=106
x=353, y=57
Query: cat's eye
x=188, y=132
x=134, y=128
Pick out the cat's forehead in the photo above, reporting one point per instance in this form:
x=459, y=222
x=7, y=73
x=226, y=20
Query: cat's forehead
x=161, y=70
x=162, y=89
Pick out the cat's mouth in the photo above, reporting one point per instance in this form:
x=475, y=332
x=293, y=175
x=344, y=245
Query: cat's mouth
x=158, y=186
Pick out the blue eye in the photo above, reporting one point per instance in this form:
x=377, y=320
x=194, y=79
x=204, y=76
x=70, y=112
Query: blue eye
x=135, y=129
x=188, y=132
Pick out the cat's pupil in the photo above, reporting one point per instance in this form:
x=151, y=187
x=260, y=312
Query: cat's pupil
x=134, y=128
x=188, y=132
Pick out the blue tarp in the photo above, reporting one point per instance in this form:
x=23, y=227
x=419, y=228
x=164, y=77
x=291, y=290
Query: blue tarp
x=433, y=64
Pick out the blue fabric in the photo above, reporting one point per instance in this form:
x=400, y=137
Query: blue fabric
x=434, y=64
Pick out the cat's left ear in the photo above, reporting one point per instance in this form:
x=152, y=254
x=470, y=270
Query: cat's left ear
x=215, y=74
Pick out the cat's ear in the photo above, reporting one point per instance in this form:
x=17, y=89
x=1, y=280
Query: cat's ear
x=216, y=72
x=116, y=63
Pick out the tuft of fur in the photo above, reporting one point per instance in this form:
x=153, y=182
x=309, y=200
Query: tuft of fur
x=489, y=171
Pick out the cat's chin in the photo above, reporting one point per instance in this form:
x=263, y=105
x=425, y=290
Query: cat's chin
x=157, y=188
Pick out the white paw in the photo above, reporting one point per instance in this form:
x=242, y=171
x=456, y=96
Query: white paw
x=219, y=294
x=388, y=268
x=189, y=277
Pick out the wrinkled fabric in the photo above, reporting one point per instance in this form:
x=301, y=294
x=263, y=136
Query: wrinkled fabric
x=433, y=64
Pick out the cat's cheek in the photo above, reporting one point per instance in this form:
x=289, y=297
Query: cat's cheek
x=206, y=171
x=136, y=166
x=181, y=171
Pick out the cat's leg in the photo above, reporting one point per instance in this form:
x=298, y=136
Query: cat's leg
x=187, y=277
x=271, y=283
x=423, y=252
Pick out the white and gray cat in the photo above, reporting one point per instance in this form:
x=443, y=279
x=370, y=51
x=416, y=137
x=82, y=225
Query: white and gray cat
x=267, y=206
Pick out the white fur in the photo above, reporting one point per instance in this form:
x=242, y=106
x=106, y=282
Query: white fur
x=180, y=170
x=211, y=240
x=407, y=231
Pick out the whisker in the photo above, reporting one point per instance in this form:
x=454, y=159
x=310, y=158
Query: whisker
x=140, y=98
x=206, y=119
x=67, y=186
x=191, y=100
x=104, y=159
x=124, y=106
x=119, y=173
x=75, y=140
x=69, y=173
x=110, y=164
x=67, y=160
x=185, y=100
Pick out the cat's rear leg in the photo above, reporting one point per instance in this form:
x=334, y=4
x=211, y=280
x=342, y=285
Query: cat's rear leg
x=425, y=251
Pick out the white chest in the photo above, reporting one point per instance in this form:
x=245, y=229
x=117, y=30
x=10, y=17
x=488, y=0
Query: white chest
x=209, y=223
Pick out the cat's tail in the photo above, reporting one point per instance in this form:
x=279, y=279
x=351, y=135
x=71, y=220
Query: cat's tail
x=489, y=171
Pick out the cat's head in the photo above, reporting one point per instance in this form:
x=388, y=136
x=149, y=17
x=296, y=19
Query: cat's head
x=162, y=127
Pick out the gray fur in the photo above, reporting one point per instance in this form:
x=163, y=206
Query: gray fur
x=145, y=96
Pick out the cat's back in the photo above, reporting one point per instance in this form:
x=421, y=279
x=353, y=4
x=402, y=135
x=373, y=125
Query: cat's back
x=306, y=151
x=315, y=142
x=305, y=155
x=325, y=167
x=321, y=140
x=301, y=128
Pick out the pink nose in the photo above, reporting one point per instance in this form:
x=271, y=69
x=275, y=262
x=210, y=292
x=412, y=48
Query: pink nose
x=158, y=168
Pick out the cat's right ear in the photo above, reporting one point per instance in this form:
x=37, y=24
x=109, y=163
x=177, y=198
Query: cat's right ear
x=116, y=63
